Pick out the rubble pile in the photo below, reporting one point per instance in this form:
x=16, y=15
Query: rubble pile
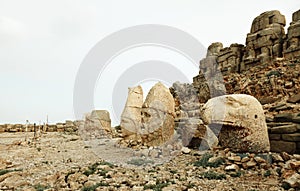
x=67, y=126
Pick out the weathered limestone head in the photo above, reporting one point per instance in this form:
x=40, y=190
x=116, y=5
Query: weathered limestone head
x=214, y=49
x=130, y=118
x=243, y=122
x=151, y=122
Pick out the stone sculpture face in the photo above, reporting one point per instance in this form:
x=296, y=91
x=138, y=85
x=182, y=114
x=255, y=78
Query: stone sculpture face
x=151, y=122
x=244, y=127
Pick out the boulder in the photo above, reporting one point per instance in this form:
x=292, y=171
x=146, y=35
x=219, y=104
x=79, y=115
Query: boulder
x=243, y=122
x=265, y=40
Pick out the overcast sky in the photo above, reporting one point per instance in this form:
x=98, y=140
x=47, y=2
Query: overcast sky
x=43, y=43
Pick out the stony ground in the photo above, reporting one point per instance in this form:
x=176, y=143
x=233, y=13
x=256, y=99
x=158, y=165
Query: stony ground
x=58, y=161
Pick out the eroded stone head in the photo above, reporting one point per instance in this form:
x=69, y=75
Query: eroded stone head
x=243, y=122
x=151, y=122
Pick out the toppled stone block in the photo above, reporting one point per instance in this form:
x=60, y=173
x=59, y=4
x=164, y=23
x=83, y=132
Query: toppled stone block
x=229, y=58
x=284, y=117
x=291, y=137
x=294, y=98
x=283, y=146
x=243, y=122
x=285, y=129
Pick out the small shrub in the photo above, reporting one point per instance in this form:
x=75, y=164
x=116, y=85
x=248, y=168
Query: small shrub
x=38, y=149
x=236, y=174
x=173, y=171
x=106, y=163
x=102, y=172
x=40, y=187
x=273, y=72
x=156, y=187
x=191, y=185
x=267, y=173
x=91, y=169
x=285, y=186
x=210, y=175
x=5, y=171
x=204, y=161
x=93, y=188
x=45, y=162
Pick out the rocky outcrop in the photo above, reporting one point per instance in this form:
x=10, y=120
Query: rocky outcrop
x=189, y=126
x=229, y=58
x=242, y=120
x=151, y=122
x=265, y=40
x=209, y=82
x=258, y=69
x=265, y=43
x=67, y=126
x=292, y=43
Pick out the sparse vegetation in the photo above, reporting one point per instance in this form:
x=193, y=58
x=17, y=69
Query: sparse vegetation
x=267, y=173
x=191, y=185
x=40, y=187
x=157, y=187
x=106, y=163
x=92, y=188
x=204, y=161
x=38, y=149
x=94, y=169
x=45, y=162
x=5, y=171
x=211, y=175
x=91, y=169
x=285, y=186
x=173, y=171
x=236, y=174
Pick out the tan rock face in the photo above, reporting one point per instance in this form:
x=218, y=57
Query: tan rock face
x=151, y=122
x=244, y=128
x=264, y=42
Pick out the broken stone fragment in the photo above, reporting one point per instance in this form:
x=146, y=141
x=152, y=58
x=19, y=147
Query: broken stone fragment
x=243, y=122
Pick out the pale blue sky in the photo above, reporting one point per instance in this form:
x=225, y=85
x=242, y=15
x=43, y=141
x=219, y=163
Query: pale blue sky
x=43, y=43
